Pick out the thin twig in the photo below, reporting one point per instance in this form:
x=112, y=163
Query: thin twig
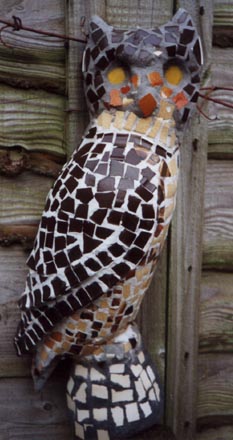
x=217, y=101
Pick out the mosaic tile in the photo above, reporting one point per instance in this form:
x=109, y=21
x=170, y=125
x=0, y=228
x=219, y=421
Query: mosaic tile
x=100, y=414
x=132, y=412
x=118, y=416
x=100, y=391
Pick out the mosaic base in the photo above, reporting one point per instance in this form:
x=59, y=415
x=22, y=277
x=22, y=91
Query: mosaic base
x=117, y=395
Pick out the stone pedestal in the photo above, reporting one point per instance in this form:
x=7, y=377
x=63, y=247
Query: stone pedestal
x=114, y=394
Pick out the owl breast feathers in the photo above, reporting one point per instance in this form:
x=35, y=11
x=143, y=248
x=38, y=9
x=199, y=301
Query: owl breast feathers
x=107, y=215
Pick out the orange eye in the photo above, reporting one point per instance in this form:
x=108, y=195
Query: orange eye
x=116, y=76
x=174, y=75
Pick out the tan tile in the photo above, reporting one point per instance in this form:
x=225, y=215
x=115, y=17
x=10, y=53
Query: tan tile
x=155, y=128
x=170, y=190
x=169, y=210
x=143, y=124
x=130, y=121
x=104, y=120
x=119, y=118
x=172, y=165
x=166, y=110
x=164, y=134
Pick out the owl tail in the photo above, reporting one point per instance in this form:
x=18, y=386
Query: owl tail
x=41, y=372
x=116, y=393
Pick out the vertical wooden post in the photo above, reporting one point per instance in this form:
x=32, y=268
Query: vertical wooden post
x=185, y=264
x=77, y=117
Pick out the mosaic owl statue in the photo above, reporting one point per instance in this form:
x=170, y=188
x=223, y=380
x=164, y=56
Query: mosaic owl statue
x=105, y=223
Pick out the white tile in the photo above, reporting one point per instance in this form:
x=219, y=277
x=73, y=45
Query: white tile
x=70, y=385
x=150, y=374
x=136, y=370
x=146, y=408
x=118, y=416
x=157, y=391
x=132, y=412
x=103, y=435
x=99, y=391
x=145, y=380
x=82, y=414
x=81, y=371
x=121, y=379
x=79, y=431
x=152, y=395
x=81, y=395
x=140, y=390
x=141, y=357
x=122, y=396
x=95, y=375
x=100, y=414
x=117, y=368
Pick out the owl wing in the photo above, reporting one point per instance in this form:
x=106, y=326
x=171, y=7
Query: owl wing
x=98, y=225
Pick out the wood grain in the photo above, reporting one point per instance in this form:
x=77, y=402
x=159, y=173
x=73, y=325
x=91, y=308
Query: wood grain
x=14, y=161
x=27, y=414
x=27, y=59
x=216, y=313
x=221, y=433
x=13, y=272
x=221, y=127
x=146, y=13
x=23, y=198
x=220, y=151
x=218, y=218
x=215, y=389
x=31, y=119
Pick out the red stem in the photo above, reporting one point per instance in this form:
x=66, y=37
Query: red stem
x=17, y=25
x=217, y=101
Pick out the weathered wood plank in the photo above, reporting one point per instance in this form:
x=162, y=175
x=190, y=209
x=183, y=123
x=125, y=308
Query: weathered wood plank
x=220, y=151
x=22, y=202
x=215, y=390
x=37, y=61
x=223, y=22
x=221, y=433
x=33, y=120
x=13, y=272
x=216, y=313
x=184, y=281
x=223, y=13
x=23, y=198
x=185, y=266
x=146, y=13
x=77, y=116
x=30, y=415
x=14, y=161
x=221, y=127
x=218, y=219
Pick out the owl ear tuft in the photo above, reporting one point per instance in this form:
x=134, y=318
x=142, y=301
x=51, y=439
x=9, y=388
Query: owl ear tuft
x=98, y=27
x=183, y=17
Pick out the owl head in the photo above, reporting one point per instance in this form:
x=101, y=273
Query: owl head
x=138, y=69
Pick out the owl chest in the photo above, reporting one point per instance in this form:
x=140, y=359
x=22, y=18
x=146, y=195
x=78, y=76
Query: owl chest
x=127, y=171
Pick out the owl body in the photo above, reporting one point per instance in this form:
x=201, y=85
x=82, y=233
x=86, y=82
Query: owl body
x=105, y=222
x=130, y=179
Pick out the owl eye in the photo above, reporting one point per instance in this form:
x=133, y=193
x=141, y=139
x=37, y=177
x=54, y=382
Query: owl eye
x=173, y=75
x=116, y=75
